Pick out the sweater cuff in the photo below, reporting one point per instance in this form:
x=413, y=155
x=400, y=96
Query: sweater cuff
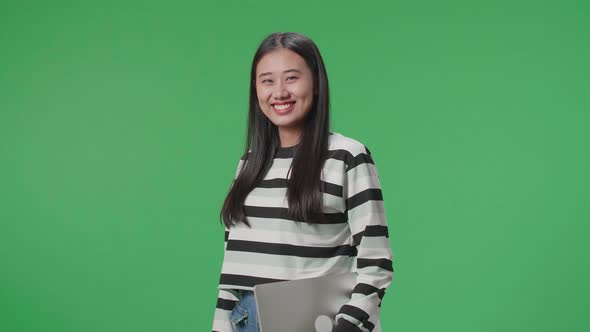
x=346, y=326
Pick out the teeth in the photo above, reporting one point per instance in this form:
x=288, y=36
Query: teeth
x=282, y=107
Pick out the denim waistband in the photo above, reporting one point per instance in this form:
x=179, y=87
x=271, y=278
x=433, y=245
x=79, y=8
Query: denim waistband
x=245, y=292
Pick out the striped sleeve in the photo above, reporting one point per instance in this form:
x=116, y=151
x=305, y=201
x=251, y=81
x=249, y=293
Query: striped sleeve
x=225, y=303
x=226, y=300
x=370, y=235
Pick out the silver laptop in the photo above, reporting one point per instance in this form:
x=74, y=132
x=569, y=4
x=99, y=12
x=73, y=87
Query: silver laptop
x=304, y=304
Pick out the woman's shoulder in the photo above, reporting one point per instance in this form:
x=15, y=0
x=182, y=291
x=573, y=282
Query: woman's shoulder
x=339, y=141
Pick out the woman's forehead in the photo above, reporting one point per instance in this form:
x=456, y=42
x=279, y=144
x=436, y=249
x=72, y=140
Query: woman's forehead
x=280, y=61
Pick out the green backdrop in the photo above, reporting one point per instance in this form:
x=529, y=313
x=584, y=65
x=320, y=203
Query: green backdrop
x=121, y=124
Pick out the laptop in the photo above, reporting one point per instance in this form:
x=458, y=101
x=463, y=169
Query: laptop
x=304, y=304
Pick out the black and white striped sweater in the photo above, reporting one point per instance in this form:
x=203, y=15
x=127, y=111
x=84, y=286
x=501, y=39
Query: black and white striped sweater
x=278, y=248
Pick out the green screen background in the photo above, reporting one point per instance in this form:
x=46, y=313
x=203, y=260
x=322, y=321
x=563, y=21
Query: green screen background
x=121, y=124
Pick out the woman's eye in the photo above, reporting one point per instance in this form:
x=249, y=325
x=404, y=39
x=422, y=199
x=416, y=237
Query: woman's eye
x=264, y=81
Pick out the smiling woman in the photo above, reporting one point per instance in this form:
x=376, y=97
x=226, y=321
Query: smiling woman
x=284, y=88
x=305, y=201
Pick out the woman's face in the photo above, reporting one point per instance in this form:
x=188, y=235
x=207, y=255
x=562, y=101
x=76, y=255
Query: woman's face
x=283, y=79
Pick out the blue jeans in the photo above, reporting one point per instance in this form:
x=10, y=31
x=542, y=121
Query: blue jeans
x=243, y=316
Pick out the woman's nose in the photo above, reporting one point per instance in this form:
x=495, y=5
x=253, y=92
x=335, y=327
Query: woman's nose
x=281, y=90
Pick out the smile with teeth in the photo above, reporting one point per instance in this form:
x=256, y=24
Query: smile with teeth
x=283, y=108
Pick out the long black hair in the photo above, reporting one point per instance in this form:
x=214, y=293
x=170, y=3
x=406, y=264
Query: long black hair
x=304, y=188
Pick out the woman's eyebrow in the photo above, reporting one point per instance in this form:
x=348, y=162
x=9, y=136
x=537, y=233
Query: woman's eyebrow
x=286, y=71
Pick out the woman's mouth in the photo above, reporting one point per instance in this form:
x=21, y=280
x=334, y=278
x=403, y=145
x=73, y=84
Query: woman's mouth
x=283, y=109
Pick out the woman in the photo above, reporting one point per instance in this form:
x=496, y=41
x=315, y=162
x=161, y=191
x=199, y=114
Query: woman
x=305, y=201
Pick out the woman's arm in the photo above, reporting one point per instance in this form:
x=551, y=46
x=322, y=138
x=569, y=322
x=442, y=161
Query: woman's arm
x=368, y=225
